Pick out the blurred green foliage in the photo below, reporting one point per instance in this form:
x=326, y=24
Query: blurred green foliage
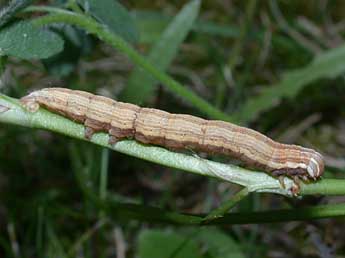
x=161, y=54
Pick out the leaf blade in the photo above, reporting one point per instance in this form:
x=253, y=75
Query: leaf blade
x=114, y=15
x=26, y=41
x=329, y=64
x=161, y=54
x=156, y=244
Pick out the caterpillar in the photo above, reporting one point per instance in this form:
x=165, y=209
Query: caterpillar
x=178, y=131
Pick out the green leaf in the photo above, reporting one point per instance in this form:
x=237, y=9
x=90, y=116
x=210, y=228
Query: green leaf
x=112, y=14
x=158, y=244
x=329, y=64
x=140, y=84
x=218, y=244
x=26, y=41
x=152, y=24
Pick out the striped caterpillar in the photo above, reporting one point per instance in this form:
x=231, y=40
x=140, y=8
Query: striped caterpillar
x=177, y=131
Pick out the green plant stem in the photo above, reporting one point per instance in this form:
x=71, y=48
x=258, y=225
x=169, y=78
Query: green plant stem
x=144, y=213
x=91, y=26
x=299, y=214
x=73, y=5
x=104, y=174
x=86, y=236
x=228, y=205
x=103, y=177
x=13, y=113
x=156, y=215
x=324, y=187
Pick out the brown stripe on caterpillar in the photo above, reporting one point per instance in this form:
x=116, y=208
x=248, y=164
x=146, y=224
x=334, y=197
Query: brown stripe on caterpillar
x=178, y=131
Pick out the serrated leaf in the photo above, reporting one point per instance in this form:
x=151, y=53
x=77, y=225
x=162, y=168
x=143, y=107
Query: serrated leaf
x=158, y=244
x=329, y=64
x=114, y=15
x=140, y=84
x=26, y=41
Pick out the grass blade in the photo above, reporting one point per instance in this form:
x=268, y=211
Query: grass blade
x=330, y=64
x=141, y=84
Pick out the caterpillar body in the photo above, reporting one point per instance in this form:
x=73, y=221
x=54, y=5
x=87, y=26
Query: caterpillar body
x=178, y=131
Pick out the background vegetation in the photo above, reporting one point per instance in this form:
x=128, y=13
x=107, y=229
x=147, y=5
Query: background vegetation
x=275, y=66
